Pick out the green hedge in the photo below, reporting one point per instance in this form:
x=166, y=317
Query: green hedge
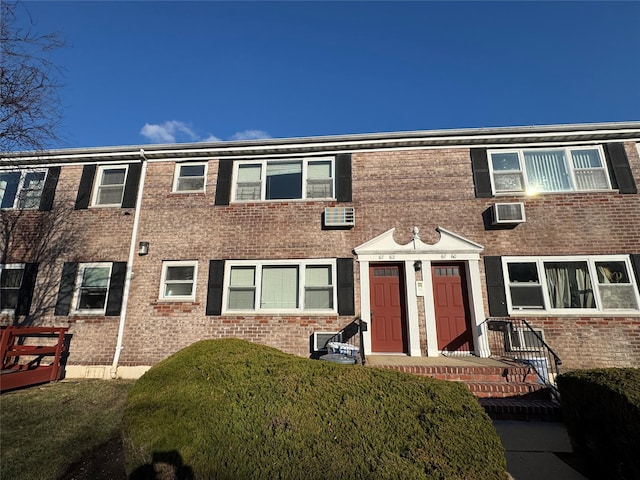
x=601, y=409
x=232, y=409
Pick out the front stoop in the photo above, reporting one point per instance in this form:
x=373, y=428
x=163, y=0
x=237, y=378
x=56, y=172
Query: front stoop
x=506, y=392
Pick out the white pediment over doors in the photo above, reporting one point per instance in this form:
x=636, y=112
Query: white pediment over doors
x=449, y=243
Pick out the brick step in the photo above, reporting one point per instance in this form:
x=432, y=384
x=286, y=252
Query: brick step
x=507, y=390
x=521, y=409
x=479, y=374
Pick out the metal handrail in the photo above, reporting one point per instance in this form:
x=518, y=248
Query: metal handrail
x=516, y=340
x=353, y=335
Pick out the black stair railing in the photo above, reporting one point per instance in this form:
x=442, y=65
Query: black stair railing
x=352, y=334
x=517, y=341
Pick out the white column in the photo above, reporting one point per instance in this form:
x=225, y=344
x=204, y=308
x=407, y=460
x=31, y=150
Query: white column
x=480, y=341
x=365, y=305
x=413, y=327
x=429, y=310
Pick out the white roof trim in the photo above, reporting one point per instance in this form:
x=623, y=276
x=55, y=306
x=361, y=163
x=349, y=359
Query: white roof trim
x=385, y=244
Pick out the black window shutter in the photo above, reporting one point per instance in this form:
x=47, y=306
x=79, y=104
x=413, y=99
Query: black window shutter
x=496, y=294
x=67, y=282
x=46, y=200
x=223, y=185
x=343, y=177
x=214, y=287
x=635, y=263
x=25, y=294
x=481, y=175
x=86, y=184
x=346, y=304
x=116, y=288
x=619, y=164
x=131, y=186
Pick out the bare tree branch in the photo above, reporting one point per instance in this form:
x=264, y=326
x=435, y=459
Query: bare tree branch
x=30, y=106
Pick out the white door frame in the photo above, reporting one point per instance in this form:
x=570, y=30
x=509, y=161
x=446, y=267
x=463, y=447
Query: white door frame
x=450, y=247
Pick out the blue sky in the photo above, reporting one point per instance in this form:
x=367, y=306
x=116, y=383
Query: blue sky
x=142, y=72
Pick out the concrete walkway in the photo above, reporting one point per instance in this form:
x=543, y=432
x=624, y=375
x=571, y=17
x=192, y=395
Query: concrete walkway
x=530, y=448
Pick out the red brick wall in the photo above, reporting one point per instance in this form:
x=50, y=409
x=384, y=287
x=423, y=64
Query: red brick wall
x=425, y=188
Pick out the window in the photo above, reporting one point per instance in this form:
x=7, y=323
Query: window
x=110, y=186
x=190, y=177
x=284, y=180
x=10, y=282
x=21, y=189
x=571, y=284
x=318, y=289
x=92, y=286
x=179, y=281
x=520, y=339
x=280, y=285
x=549, y=170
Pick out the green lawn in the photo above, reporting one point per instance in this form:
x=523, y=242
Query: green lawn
x=45, y=429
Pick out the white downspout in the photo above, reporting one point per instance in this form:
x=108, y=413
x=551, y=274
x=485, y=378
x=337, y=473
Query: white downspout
x=129, y=274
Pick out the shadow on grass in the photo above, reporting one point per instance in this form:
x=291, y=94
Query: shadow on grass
x=164, y=466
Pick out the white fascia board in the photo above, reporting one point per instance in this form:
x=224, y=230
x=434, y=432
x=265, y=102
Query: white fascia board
x=487, y=137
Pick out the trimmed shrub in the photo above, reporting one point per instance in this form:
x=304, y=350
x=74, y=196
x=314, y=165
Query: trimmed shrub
x=232, y=409
x=601, y=410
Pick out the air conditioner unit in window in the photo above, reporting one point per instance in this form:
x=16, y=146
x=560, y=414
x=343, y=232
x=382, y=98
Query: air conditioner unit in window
x=320, y=340
x=508, y=213
x=339, y=217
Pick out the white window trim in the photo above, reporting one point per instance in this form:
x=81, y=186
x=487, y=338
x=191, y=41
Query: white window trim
x=591, y=261
x=520, y=332
x=12, y=266
x=77, y=285
x=178, y=263
x=259, y=264
x=176, y=177
x=567, y=149
x=263, y=187
x=96, y=185
x=23, y=174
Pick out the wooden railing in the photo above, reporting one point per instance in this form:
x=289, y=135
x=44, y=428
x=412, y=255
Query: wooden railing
x=30, y=355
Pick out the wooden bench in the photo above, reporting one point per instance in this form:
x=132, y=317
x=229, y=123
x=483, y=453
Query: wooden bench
x=26, y=364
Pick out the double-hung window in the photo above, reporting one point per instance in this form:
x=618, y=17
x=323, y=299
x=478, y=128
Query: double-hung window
x=280, y=285
x=11, y=276
x=284, y=179
x=21, y=189
x=109, y=186
x=570, y=284
x=179, y=281
x=570, y=169
x=190, y=177
x=92, y=287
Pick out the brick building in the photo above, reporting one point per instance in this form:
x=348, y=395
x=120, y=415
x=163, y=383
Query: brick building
x=424, y=235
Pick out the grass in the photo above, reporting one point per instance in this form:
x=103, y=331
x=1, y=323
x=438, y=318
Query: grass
x=232, y=409
x=45, y=429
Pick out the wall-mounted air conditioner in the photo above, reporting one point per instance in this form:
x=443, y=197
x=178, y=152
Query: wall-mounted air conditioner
x=339, y=217
x=508, y=213
x=320, y=340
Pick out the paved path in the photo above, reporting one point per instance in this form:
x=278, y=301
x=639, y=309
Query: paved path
x=530, y=448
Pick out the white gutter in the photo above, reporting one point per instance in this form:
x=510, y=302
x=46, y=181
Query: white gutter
x=129, y=274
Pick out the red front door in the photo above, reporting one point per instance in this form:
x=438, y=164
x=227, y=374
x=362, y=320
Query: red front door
x=388, y=322
x=453, y=324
